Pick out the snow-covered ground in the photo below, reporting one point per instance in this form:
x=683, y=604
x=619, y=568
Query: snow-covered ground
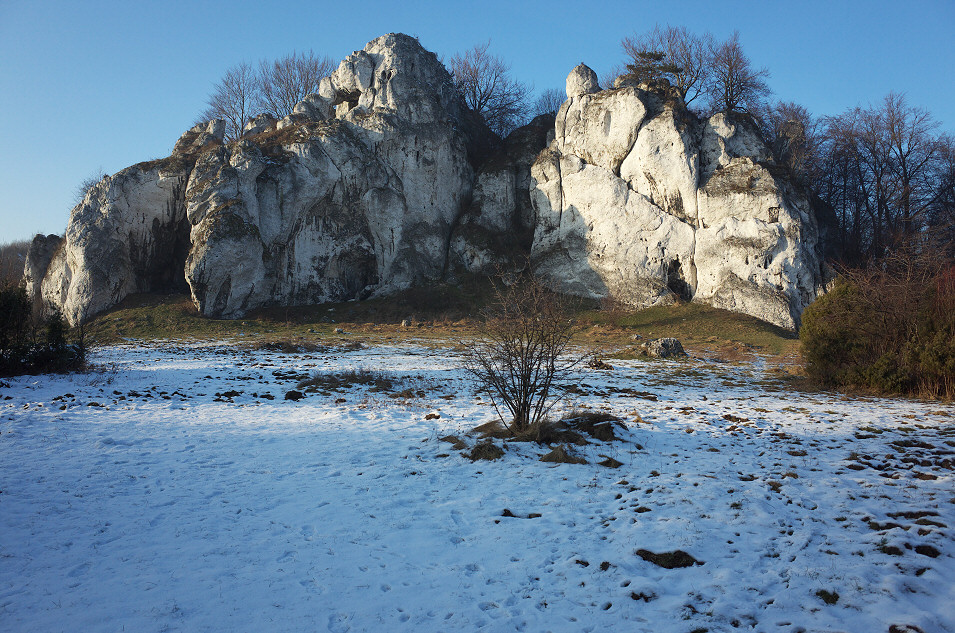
x=134, y=498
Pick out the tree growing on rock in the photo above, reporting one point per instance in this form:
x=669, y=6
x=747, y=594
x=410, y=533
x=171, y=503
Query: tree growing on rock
x=233, y=99
x=488, y=88
x=650, y=65
x=736, y=86
x=276, y=87
x=285, y=82
x=794, y=136
x=522, y=357
x=672, y=53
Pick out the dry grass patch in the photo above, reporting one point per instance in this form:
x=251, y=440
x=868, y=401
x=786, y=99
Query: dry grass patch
x=563, y=454
x=340, y=381
x=574, y=428
x=486, y=450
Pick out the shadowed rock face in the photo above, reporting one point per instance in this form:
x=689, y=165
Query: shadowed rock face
x=637, y=199
x=385, y=179
x=497, y=229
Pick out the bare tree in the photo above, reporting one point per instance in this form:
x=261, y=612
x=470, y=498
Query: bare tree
x=794, y=135
x=887, y=173
x=285, y=82
x=684, y=57
x=615, y=71
x=549, y=101
x=913, y=150
x=234, y=98
x=81, y=189
x=523, y=354
x=942, y=207
x=13, y=256
x=736, y=86
x=484, y=80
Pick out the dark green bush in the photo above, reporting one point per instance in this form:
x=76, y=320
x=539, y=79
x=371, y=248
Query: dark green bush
x=34, y=346
x=890, y=328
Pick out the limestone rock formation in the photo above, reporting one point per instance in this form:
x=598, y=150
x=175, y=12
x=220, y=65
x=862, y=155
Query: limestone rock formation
x=385, y=179
x=334, y=209
x=582, y=80
x=42, y=250
x=128, y=235
x=354, y=194
x=637, y=199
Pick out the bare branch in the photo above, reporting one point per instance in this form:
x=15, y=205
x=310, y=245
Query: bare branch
x=549, y=102
x=736, y=85
x=485, y=82
x=285, y=82
x=524, y=353
x=233, y=99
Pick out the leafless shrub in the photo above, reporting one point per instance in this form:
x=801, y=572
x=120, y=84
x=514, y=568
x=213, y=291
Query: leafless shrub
x=83, y=188
x=889, y=326
x=524, y=353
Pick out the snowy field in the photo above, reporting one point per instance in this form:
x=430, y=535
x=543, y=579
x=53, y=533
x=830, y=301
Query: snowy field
x=134, y=498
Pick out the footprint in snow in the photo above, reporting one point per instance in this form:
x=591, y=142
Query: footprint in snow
x=308, y=532
x=338, y=623
x=286, y=557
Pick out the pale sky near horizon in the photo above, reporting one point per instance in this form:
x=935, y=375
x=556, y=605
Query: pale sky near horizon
x=101, y=85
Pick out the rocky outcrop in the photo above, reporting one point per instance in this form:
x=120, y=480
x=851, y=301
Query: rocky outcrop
x=637, y=199
x=129, y=234
x=330, y=209
x=582, y=80
x=42, y=250
x=385, y=179
x=354, y=194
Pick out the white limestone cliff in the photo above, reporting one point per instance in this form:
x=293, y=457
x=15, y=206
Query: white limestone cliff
x=333, y=209
x=384, y=179
x=638, y=200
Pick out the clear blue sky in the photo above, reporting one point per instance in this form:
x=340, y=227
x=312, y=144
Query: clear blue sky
x=96, y=84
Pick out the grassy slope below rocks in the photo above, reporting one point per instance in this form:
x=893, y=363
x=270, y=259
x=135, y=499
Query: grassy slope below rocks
x=443, y=312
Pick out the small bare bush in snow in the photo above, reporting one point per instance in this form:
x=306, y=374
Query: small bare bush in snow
x=524, y=353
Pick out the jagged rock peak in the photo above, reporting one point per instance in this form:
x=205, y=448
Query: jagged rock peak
x=582, y=80
x=200, y=136
x=359, y=204
x=394, y=73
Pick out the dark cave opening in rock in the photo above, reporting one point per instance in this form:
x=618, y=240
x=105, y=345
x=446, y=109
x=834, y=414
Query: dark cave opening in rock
x=676, y=282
